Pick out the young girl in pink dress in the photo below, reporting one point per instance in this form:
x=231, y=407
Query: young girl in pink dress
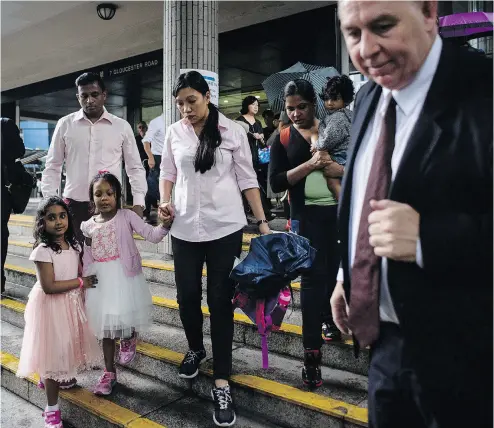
x=121, y=305
x=57, y=339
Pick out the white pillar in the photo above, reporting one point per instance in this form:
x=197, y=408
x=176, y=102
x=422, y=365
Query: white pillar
x=190, y=41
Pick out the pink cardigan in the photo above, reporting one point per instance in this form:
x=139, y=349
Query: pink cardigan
x=127, y=222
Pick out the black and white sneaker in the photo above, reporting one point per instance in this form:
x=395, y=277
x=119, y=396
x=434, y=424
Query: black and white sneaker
x=330, y=332
x=224, y=415
x=190, y=364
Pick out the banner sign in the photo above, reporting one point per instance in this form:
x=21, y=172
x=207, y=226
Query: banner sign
x=212, y=79
x=129, y=65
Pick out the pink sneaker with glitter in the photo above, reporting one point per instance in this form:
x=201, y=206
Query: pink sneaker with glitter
x=106, y=383
x=127, y=350
x=53, y=419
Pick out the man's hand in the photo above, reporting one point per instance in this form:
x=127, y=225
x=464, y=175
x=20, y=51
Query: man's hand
x=138, y=210
x=394, y=230
x=339, y=308
x=151, y=162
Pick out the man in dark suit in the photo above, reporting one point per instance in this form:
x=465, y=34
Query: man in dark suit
x=12, y=149
x=416, y=220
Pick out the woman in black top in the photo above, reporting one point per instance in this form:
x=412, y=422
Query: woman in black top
x=250, y=107
x=313, y=215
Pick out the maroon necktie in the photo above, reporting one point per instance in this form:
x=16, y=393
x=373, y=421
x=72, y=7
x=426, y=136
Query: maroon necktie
x=366, y=269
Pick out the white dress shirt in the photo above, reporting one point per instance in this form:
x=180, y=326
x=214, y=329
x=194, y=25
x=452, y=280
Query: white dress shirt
x=87, y=148
x=409, y=103
x=207, y=206
x=155, y=135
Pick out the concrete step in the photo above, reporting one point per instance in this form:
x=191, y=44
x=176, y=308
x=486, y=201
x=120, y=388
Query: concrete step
x=156, y=268
x=287, y=341
x=19, y=413
x=79, y=406
x=172, y=337
x=273, y=392
x=22, y=226
x=138, y=401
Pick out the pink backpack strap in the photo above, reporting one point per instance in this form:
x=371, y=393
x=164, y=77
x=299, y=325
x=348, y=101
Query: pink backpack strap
x=240, y=300
x=261, y=328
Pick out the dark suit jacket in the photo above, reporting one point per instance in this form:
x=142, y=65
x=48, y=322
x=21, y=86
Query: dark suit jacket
x=445, y=309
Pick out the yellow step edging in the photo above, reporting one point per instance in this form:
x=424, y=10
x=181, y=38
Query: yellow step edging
x=272, y=388
x=20, y=244
x=308, y=400
x=173, y=304
x=237, y=318
x=13, y=304
x=168, y=266
x=20, y=269
x=87, y=400
x=153, y=264
x=30, y=245
x=27, y=220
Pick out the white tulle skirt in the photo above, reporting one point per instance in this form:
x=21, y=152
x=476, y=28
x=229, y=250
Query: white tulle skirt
x=119, y=305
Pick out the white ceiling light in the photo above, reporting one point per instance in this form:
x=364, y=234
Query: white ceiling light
x=225, y=101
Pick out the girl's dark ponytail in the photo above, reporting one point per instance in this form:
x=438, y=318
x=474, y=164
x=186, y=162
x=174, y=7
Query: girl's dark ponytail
x=210, y=137
x=209, y=140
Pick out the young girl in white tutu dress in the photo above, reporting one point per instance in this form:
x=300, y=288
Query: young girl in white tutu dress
x=57, y=339
x=121, y=306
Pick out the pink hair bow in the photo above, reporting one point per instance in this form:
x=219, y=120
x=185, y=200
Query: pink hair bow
x=102, y=171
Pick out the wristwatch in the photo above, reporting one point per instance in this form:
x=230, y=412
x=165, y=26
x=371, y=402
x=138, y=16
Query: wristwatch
x=261, y=222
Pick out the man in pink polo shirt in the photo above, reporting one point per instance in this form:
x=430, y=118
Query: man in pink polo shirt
x=88, y=141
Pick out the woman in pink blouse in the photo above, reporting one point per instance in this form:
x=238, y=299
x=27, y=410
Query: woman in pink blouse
x=207, y=158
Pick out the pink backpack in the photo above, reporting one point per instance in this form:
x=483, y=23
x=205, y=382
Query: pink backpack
x=267, y=314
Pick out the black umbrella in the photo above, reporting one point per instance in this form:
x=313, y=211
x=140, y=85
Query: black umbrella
x=315, y=74
x=273, y=261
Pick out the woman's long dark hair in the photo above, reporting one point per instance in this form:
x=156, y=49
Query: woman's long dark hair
x=40, y=234
x=210, y=137
x=246, y=102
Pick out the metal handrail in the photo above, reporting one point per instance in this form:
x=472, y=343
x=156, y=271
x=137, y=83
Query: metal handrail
x=33, y=157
